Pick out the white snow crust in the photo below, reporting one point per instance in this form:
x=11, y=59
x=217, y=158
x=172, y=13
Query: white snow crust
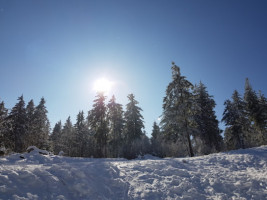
x=240, y=174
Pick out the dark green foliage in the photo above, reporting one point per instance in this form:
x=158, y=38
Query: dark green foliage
x=177, y=118
x=67, y=138
x=81, y=136
x=18, y=124
x=98, y=124
x=41, y=126
x=207, y=138
x=133, y=128
x=116, y=123
x=234, y=116
x=5, y=126
x=157, y=141
x=56, y=138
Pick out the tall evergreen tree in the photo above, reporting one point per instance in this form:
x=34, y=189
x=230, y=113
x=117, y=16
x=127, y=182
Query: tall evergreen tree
x=5, y=126
x=18, y=120
x=177, y=117
x=82, y=135
x=207, y=137
x=56, y=138
x=234, y=116
x=255, y=114
x=67, y=138
x=116, y=123
x=133, y=127
x=41, y=125
x=133, y=120
x=98, y=124
x=30, y=125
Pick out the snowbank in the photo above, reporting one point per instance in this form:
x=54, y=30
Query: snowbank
x=238, y=174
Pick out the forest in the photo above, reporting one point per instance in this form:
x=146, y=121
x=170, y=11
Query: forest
x=188, y=126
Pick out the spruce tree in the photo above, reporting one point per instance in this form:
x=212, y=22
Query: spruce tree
x=133, y=127
x=207, y=137
x=56, y=138
x=81, y=135
x=116, y=123
x=18, y=120
x=97, y=121
x=157, y=141
x=256, y=114
x=30, y=125
x=177, y=117
x=237, y=130
x=41, y=126
x=67, y=138
x=5, y=137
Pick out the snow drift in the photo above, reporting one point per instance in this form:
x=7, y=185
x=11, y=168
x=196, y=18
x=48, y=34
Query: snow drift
x=240, y=174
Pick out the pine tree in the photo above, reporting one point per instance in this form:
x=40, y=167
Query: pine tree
x=234, y=116
x=67, y=138
x=30, y=126
x=18, y=120
x=157, y=141
x=82, y=136
x=41, y=126
x=56, y=138
x=133, y=127
x=5, y=126
x=116, y=123
x=98, y=124
x=177, y=117
x=255, y=114
x=207, y=137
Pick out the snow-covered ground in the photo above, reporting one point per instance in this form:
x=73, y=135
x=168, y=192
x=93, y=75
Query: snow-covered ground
x=238, y=174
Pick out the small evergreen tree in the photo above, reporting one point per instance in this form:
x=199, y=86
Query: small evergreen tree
x=157, y=141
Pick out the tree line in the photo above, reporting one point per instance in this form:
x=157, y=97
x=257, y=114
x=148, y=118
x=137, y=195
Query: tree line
x=188, y=125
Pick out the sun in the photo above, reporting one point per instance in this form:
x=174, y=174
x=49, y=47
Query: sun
x=102, y=85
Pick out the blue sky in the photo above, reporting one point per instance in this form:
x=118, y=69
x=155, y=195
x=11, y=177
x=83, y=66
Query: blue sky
x=57, y=49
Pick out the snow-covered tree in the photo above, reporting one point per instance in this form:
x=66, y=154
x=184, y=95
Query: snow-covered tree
x=5, y=125
x=177, y=118
x=237, y=130
x=56, y=138
x=41, y=126
x=133, y=129
x=18, y=120
x=31, y=135
x=255, y=111
x=207, y=137
x=97, y=121
x=116, y=123
x=67, y=138
x=81, y=135
x=157, y=141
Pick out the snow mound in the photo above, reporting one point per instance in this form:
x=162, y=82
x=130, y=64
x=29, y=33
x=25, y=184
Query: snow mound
x=240, y=174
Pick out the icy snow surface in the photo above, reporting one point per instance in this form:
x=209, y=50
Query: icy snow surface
x=238, y=174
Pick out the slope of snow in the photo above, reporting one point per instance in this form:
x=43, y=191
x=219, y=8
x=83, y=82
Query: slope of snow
x=238, y=174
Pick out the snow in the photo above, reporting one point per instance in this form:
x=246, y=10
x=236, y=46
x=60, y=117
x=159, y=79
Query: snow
x=240, y=174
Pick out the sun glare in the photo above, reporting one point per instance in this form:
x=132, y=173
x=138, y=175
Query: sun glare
x=102, y=85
